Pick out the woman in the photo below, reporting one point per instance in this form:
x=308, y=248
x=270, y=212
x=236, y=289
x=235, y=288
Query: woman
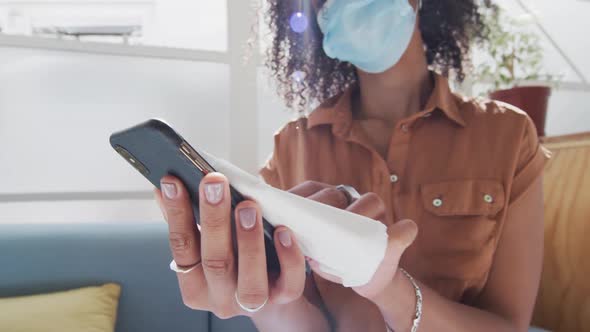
x=457, y=181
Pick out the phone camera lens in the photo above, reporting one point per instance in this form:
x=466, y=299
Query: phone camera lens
x=132, y=160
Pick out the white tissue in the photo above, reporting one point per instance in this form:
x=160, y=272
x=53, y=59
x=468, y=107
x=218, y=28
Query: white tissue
x=346, y=245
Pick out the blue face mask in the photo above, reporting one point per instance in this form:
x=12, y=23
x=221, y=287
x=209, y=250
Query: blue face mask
x=371, y=34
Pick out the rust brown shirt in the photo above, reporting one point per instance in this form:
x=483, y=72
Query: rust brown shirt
x=454, y=168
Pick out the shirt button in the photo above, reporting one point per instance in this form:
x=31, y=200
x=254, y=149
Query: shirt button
x=393, y=178
x=437, y=202
x=488, y=198
x=405, y=128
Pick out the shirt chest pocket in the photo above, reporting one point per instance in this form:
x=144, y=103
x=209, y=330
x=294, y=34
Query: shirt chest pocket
x=460, y=217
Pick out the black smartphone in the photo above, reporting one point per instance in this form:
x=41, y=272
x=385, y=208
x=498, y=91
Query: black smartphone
x=154, y=149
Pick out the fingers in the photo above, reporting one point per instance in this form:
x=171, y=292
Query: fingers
x=175, y=202
x=331, y=196
x=402, y=234
x=184, y=241
x=252, y=286
x=194, y=290
x=328, y=194
x=308, y=188
x=291, y=282
x=216, y=241
x=321, y=192
x=369, y=205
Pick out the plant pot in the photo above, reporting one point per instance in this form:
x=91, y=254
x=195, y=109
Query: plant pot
x=534, y=100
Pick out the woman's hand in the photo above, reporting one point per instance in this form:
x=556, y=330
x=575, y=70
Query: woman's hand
x=217, y=279
x=401, y=235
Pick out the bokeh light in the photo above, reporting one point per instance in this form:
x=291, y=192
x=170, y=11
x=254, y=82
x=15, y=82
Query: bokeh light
x=298, y=76
x=299, y=22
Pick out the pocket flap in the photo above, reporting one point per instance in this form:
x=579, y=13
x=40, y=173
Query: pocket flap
x=463, y=197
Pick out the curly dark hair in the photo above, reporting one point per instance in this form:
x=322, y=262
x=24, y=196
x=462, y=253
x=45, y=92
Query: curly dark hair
x=448, y=27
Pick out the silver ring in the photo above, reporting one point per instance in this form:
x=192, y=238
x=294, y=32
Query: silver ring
x=174, y=267
x=249, y=309
x=351, y=194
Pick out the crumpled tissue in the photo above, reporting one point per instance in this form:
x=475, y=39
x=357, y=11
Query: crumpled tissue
x=344, y=244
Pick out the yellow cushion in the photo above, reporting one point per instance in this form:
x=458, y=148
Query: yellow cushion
x=91, y=309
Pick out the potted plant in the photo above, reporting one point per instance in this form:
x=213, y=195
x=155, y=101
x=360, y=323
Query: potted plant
x=512, y=61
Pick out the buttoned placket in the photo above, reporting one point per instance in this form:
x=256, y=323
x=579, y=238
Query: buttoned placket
x=390, y=171
x=396, y=160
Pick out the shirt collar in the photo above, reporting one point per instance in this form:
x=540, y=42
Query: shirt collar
x=337, y=110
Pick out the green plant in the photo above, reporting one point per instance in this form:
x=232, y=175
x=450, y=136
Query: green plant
x=511, y=55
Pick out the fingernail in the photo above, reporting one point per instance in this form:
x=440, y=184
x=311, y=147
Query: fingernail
x=247, y=217
x=409, y=223
x=410, y=228
x=285, y=238
x=214, y=192
x=405, y=222
x=169, y=190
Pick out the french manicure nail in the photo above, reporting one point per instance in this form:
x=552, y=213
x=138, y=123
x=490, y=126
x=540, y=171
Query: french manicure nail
x=247, y=217
x=169, y=190
x=214, y=192
x=285, y=238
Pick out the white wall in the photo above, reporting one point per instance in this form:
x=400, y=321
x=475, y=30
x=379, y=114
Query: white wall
x=58, y=109
x=569, y=112
x=195, y=24
x=272, y=115
x=198, y=24
x=566, y=23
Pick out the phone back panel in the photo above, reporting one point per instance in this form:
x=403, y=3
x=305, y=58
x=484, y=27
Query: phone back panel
x=157, y=146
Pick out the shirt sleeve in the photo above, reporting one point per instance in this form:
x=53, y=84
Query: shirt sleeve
x=530, y=161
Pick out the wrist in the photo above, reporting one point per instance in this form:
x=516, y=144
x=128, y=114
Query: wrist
x=299, y=315
x=386, y=297
x=397, y=303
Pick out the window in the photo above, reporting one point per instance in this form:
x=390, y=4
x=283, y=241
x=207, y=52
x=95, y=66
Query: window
x=193, y=24
x=181, y=60
x=565, y=56
x=61, y=99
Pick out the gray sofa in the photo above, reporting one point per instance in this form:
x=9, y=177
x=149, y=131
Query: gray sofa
x=51, y=257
